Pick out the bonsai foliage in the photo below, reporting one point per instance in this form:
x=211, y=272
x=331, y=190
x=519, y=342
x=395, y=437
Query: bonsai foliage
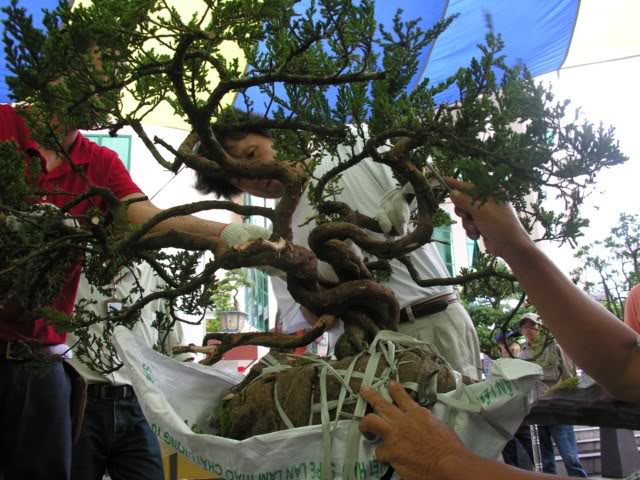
x=224, y=296
x=610, y=267
x=332, y=77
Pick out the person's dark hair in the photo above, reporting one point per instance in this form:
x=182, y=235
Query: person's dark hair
x=206, y=183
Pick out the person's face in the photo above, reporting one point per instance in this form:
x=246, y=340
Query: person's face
x=258, y=148
x=515, y=349
x=530, y=331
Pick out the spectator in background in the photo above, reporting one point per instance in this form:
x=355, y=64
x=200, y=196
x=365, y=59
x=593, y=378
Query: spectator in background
x=632, y=309
x=115, y=435
x=518, y=451
x=507, y=342
x=556, y=367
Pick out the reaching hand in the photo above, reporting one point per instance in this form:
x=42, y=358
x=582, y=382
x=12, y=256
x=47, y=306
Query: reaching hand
x=415, y=443
x=393, y=214
x=496, y=222
x=15, y=223
x=236, y=234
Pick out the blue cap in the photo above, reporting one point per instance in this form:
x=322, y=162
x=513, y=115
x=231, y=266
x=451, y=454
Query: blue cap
x=501, y=336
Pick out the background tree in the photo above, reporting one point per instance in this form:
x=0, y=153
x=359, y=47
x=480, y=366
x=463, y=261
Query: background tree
x=492, y=302
x=301, y=60
x=610, y=267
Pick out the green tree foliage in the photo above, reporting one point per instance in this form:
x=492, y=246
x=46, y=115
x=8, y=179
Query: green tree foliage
x=297, y=58
x=492, y=302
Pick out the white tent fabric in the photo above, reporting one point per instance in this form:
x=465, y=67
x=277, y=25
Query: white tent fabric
x=546, y=36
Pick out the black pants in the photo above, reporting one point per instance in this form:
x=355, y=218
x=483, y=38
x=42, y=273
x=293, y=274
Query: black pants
x=116, y=438
x=35, y=421
x=518, y=451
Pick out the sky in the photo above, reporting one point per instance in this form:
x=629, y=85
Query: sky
x=607, y=92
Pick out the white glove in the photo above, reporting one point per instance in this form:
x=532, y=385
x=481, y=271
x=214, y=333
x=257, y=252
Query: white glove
x=393, y=214
x=236, y=234
x=15, y=223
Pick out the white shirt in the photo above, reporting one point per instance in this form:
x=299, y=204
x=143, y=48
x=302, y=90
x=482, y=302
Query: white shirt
x=363, y=187
x=144, y=328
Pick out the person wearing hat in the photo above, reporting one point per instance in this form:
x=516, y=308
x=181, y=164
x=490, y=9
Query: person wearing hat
x=556, y=367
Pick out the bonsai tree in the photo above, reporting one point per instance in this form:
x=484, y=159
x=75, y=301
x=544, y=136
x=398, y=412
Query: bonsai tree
x=332, y=77
x=225, y=294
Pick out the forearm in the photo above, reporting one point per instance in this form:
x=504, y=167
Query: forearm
x=484, y=469
x=591, y=336
x=142, y=211
x=191, y=224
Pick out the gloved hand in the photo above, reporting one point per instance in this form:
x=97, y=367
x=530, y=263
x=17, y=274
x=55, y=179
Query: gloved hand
x=393, y=214
x=236, y=234
x=15, y=223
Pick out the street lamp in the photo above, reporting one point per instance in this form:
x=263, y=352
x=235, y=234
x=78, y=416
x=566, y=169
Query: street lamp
x=233, y=321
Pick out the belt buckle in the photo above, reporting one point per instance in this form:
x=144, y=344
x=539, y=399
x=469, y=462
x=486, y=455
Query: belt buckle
x=105, y=395
x=9, y=355
x=408, y=311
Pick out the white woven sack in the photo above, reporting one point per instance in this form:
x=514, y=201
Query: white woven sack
x=178, y=397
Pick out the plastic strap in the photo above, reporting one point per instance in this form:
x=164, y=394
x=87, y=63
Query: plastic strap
x=343, y=392
x=353, y=438
x=282, y=413
x=326, y=426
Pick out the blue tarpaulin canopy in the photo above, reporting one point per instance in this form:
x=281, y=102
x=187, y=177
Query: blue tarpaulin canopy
x=544, y=35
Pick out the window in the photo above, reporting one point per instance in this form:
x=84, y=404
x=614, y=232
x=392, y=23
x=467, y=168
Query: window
x=472, y=247
x=257, y=296
x=442, y=240
x=257, y=299
x=120, y=144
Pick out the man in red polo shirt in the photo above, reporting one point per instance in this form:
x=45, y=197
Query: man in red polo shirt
x=35, y=425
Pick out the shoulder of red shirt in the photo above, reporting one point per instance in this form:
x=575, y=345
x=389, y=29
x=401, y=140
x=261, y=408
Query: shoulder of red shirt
x=14, y=127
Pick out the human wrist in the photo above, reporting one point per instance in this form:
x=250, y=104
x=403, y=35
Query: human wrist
x=455, y=467
x=519, y=250
x=221, y=229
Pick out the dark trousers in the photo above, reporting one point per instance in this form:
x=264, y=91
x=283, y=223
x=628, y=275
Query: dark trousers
x=518, y=451
x=565, y=440
x=116, y=438
x=35, y=421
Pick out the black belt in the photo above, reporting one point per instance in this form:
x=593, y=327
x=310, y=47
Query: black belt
x=428, y=307
x=19, y=351
x=104, y=391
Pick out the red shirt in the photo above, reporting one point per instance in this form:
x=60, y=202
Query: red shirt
x=103, y=168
